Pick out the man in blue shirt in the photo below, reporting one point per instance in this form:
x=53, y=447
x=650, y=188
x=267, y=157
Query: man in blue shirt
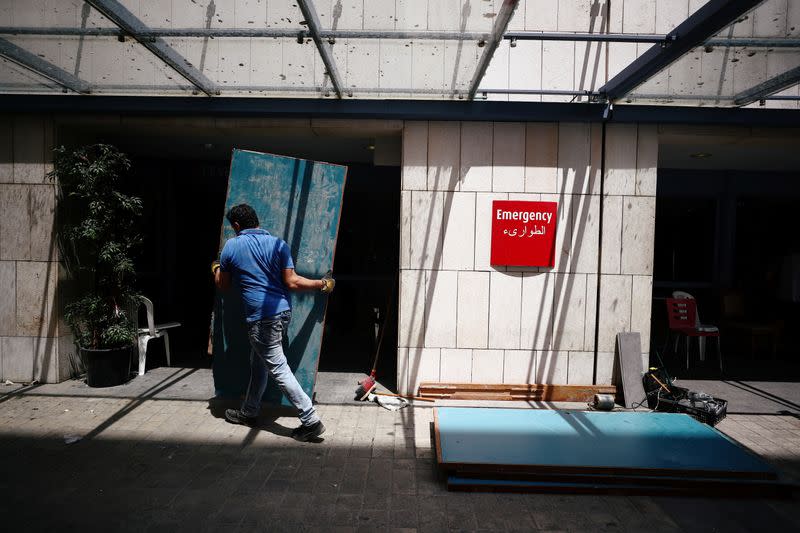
x=263, y=267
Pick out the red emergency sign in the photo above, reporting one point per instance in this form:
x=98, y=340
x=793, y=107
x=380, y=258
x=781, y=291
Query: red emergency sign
x=523, y=233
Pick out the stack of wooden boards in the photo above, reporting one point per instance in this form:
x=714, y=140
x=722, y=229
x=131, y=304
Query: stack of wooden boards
x=532, y=450
x=512, y=392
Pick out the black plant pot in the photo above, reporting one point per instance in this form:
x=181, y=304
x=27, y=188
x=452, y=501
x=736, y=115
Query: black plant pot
x=107, y=368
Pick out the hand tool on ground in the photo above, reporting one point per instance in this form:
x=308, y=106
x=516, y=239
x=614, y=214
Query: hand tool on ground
x=367, y=384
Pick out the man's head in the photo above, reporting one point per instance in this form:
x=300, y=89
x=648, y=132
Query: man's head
x=242, y=217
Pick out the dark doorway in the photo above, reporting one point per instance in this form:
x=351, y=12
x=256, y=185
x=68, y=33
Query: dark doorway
x=724, y=237
x=183, y=208
x=366, y=266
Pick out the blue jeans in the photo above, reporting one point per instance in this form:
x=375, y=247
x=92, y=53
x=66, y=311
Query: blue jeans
x=266, y=355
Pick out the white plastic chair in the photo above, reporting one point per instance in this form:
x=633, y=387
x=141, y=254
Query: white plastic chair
x=152, y=331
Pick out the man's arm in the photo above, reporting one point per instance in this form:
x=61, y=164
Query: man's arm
x=221, y=279
x=296, y=282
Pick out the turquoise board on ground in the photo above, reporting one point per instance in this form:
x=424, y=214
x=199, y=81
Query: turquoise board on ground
x=299, y=201
x=657, y=443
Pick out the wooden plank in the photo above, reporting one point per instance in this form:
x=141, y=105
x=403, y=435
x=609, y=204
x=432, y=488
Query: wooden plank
x=510, y=392
x=711, y=485
x=300, y=202
x=437, y=437
x=740, y=489
x=495, y=470
x=518, y=388
x=488, y=396
x=578, y=442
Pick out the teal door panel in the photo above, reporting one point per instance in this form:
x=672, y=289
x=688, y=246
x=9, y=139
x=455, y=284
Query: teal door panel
x=299, y=201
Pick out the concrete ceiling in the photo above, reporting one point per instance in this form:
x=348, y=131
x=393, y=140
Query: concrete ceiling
x=714, y=148
x=376, y=142
x=379, y=142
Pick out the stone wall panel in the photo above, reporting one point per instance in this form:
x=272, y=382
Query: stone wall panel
x=505, y=295
x=487, y=366
x=458, y=247
x=551, y=367
x=638, y=235
x=456, y=365
x=18, y=355
x=29, y=149
x=441, y=290
x=15, y=226
x=42, y=217
x=36, y=291
x=415, y=156
x=519, y=366
x=476, y=156
x=8, y=303
x=472, y=329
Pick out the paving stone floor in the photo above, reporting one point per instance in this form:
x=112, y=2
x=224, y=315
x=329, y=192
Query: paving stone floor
x=155, y=455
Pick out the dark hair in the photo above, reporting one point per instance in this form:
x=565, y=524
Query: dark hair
x=244, y=215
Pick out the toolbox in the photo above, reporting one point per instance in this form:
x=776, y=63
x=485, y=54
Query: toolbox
x=663, y=396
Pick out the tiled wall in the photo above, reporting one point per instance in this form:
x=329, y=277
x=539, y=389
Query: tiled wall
x=32, y=341
x=462, y=320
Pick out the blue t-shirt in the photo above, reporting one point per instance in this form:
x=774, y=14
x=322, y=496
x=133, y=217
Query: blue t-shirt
x=256, y=260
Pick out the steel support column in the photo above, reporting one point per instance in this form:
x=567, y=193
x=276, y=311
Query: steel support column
x=694, y=31
x=324, y=49
x=499, y=29
x=44, y=68
x=119, y=15
x=766, y=88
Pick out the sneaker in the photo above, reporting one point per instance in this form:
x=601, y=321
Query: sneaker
x=306, y=433
x=235, y=416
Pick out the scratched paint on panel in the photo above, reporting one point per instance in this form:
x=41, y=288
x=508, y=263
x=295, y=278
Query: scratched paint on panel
x=299, y=201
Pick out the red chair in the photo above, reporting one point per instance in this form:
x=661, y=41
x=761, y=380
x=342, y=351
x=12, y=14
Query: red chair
x=682, y=315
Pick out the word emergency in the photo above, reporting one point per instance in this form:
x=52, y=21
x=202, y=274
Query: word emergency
x=524, y=216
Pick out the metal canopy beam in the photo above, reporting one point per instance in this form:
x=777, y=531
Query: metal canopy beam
x=766, y=88
x=324, y=49
x=255, y=32
x=44, y=68
x=498, y=30
x=581, y=36
x=694, y=31
x=244, y=33
x=119, y=15
x=391, y=109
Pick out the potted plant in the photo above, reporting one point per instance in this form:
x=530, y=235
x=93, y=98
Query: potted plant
x=96, y=228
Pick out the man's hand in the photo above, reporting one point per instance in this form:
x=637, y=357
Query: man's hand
x=214, y=267
x=328, y=283
x=296, y=282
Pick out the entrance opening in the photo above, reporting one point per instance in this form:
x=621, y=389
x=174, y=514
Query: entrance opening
x=183, y=202
x=726, y=237
x=366, y=266
x=181, y=174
